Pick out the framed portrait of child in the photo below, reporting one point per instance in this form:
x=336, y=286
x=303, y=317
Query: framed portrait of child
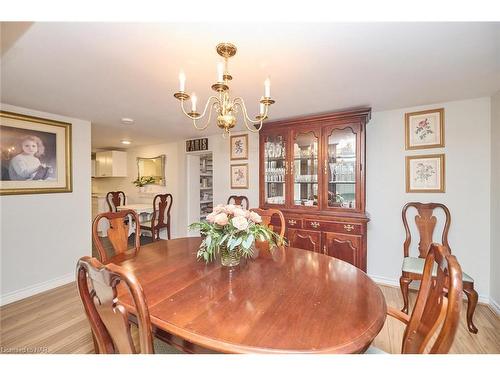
x=35, y=155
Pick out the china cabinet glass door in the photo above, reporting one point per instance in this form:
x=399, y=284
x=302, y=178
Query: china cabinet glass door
x=305, y=169
x=342, y=168
x=275, y=169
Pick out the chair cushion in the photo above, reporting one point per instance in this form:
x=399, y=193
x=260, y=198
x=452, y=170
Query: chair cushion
x=374, y=350
x=416, y=265
x=161, y=347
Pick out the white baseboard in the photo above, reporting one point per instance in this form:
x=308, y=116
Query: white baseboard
x=495, y=306
x=29, y=291
x=393, y=282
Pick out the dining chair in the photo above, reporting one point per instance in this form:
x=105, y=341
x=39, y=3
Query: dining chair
x=115, y=199
x=239, y=200
x=162, y=203
x=118, y=233
x=109, y=320
x=412, y=268
x=434, y=321
x=267, y=216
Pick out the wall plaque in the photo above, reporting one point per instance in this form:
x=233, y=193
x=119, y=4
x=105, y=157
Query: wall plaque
x=200, y=144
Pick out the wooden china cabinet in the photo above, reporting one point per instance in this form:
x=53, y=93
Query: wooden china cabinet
x=313, y=170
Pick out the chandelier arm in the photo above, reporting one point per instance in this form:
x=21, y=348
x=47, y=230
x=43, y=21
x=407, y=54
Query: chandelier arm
x=208, y=119
x=241, y=103
x=204, y=111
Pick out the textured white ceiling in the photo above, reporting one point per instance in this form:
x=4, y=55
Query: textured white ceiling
x=105, y=71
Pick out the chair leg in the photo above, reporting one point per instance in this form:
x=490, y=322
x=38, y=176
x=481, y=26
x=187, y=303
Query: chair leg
x=168, y=230
x=404, y=283
x=471, y=306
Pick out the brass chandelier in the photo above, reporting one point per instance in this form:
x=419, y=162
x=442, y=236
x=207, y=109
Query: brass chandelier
x=225, y=107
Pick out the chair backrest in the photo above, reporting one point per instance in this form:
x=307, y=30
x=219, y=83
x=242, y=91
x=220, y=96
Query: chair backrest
x=162, y=203
x=117, y=232
x=239, y=200
x=115, y=199
x=426, y=224
x=438, y=304
x=267, y=217
x=97, y=286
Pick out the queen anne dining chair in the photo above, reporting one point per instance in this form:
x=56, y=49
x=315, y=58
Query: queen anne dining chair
x=412, y=268
x=239, y=200
x=115, y=199
x=434, y=321
x=109, y=320
x=118, y=233
x=267, y=216
x=162, y=203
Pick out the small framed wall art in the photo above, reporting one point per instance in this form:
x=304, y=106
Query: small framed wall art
x=239, y=176
x=424, y=129
x=239, y=146
x=35, y=155
x=425, y=174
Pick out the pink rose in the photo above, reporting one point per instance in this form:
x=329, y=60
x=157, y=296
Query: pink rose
x=218, y=209
x=239, y=212
x=211, y=217
x=221, y=219
x=255, y=217
x=240, y=222
x=229, y=209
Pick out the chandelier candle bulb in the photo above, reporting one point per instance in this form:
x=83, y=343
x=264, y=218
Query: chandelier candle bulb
x=220, y=72
x=267, y=88
x=194, y=99
x=262, y=107
x=182, y=81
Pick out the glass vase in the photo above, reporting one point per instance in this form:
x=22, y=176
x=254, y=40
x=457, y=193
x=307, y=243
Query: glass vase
x=229, y=258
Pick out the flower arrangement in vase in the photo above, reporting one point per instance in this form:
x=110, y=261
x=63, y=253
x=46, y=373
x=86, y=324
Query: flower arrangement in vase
x=140, y=182
x=231, y=231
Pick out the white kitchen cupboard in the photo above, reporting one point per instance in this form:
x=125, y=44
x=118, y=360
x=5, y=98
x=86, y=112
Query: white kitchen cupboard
x=111, y=164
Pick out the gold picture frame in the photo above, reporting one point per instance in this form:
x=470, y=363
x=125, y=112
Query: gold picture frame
x=425, y=173
x=424, y=129
x=239, y=176
x=35, y=155
x=239, y=146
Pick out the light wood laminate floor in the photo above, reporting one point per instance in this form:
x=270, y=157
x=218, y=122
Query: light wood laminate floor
x=54, y=322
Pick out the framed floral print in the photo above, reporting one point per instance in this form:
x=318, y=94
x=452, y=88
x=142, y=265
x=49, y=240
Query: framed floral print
x=425, y=174
x=239, y=176
x=35, y=155
x=424, y=129
x=239, y=146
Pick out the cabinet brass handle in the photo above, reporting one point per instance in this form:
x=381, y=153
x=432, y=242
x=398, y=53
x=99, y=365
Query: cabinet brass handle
x=292, y=222
x=348, y=227
x=315, y=224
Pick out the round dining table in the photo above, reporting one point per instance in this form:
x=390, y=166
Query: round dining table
x=285, y=300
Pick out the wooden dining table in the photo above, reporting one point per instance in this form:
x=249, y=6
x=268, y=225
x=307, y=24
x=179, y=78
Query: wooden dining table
x=286, y=300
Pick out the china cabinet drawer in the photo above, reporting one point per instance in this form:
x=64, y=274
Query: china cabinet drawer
x=328, y=226
x=293, y=222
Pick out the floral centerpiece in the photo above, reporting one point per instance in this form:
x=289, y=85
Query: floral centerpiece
x=231, y=232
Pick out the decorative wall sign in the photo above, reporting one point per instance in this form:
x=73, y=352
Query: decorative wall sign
x=424, y=129
x=239, y=176
x=239, y=146
x=35, y=155
x=200, y=144
x=425, y=174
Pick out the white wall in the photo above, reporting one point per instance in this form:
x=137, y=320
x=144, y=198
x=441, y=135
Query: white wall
x=495, y=201
x=467, y=150
x=43, y=235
